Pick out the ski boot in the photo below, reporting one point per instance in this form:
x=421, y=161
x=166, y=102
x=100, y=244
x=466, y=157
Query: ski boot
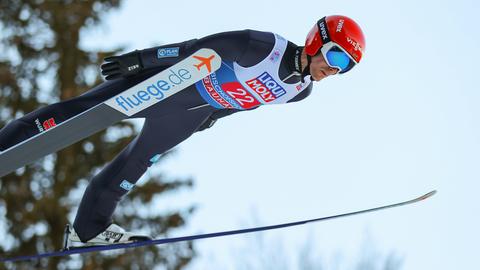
x=114, y=234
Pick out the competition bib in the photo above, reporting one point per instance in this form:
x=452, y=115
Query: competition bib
x=236, y=87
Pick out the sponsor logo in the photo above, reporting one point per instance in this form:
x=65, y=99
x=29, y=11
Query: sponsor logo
x=214, y=94
x=155, y=158
x=130, y=68
x=265, y=86
x=302, y=85
x=168, y=52
x=323, y=31
x=340, y=25
x=39, y=125
x=275, y=55
x=46, y=125
x=165, y=83
x=49, y=123
x=112, y=235
x=126, y=185
x=298, y=54
x=204, y=61
x=153, y=91
x=355, y=44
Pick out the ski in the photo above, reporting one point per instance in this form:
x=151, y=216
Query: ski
x=87, y=249
x=147, y=93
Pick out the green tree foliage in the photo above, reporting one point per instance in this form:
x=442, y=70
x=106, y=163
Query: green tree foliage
x=41, y=63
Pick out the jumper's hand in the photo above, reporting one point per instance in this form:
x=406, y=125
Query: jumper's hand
x=124, y=65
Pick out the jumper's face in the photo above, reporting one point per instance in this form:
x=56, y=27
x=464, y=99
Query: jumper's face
x=319, y=69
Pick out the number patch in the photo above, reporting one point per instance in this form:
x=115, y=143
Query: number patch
x=236, y=91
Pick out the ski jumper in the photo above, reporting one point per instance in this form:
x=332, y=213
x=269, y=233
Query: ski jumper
x=258, y=68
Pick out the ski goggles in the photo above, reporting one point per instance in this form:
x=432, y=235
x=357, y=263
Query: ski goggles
x=337, y=57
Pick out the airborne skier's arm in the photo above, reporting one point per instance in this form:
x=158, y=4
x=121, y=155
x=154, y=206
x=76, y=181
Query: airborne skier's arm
x=232, y=46
x=226, y=44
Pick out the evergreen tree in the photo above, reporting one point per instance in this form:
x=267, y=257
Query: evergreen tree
x=41, y=63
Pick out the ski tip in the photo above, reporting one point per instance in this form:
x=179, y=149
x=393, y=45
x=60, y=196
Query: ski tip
x=428, y=195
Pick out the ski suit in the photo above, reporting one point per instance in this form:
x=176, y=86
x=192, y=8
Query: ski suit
x=263, y=63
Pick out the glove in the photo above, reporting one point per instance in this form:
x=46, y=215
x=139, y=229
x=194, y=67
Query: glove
x=124, y=65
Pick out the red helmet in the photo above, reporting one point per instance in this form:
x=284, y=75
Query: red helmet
x=341, y=31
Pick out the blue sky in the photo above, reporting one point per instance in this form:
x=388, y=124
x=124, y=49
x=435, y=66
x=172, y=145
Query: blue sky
x=400, y=124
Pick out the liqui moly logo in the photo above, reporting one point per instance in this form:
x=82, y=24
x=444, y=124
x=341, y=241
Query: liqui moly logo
x=266, y=87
